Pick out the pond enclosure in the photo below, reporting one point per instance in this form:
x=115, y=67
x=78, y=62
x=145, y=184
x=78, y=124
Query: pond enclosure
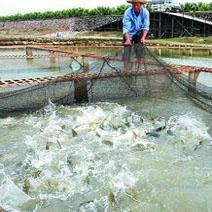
x=87, y=77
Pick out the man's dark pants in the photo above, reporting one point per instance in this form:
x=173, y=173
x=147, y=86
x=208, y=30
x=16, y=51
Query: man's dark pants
x=138, y=47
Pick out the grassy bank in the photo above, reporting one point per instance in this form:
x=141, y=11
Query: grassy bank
x=117, y=34
x=184, y=40
x=93, y=37
x=192, y=40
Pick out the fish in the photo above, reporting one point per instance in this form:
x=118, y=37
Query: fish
x=130, y=190
x=112, y=198
x=59, y=144
x=74, y=133
x=107, y=142
x=70, y=162
x=128, y=136
x=86, y=203
x=131, y=193
x=139, y=132
x=160, y=128
x=2, y=209
x=36, y=173
x=26, y=186
x=98, y=135
x=131, y=135
x=84, y=128
x=143, y=146
x=198, y=145
x=63, y=127
x=87, y=180
x=170, y=132
x=47, y=146
x=153, y=134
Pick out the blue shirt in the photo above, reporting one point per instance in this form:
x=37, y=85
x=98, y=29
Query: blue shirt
x=133, y=23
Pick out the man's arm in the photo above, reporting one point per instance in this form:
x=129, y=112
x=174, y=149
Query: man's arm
x=128, y=41
x=126, y=28
x=146, y=26
x=143, y=38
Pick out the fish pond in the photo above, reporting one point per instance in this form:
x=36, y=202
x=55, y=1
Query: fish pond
x=131, y=154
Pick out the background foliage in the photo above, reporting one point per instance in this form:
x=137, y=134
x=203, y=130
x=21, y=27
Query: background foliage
x=80, y=12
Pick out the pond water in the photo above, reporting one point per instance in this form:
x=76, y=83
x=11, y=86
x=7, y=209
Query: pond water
x=132, y=154
x=18, y=68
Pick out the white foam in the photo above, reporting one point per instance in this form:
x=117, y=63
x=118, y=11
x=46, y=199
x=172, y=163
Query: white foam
x=93, y=165
x=11, y=195
x=189, y=128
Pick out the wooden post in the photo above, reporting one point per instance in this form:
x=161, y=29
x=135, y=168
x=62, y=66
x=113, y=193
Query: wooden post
x=159, y=27
x=192, y=79
x=205, y=28
x=192, y=26
x=85, y=63
x=159, y=52
x=80, y=85
x=191, y=52
x=52, y=60
x=193, y=76
x=172, y=27
x=29, y=54
x=183, y=27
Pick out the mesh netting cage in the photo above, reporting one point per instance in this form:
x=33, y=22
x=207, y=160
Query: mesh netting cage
x=67, y=77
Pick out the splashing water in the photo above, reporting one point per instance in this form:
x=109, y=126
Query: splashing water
x=102, y=157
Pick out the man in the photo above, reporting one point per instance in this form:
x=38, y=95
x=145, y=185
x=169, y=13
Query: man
x=135, y=28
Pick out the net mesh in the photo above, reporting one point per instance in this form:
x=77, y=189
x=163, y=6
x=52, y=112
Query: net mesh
x=68, y=78
x=196, y=91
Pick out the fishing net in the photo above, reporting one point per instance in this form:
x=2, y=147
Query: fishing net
x=196, y=91
x=65, y=77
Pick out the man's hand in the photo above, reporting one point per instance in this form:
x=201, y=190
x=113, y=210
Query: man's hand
x=128, y=41
x=142, y=40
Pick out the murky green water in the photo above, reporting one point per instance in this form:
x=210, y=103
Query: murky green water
x=17, y=68
x=133, y=154
x=99, y=157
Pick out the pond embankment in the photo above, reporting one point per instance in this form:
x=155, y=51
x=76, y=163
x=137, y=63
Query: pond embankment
x=93, y=41
x=78, y=31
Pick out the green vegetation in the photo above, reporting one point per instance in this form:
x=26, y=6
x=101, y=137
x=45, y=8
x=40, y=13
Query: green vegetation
x=81, y=12
x=188, y=7
x=187, y=40
x=75, y=12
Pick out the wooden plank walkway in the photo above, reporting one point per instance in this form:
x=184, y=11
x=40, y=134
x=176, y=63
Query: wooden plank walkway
x=94, y=76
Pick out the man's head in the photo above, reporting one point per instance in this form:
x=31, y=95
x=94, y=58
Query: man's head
x=137, y=1
x=137, y=5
